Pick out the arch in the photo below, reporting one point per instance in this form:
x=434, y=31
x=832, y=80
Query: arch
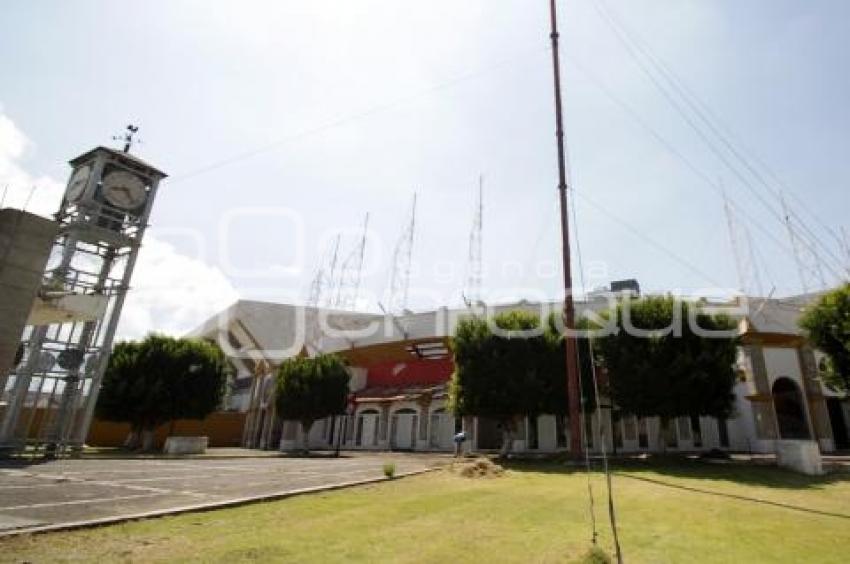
x=403, y=425
x=441, y=429
x=790, y=412
x=366, y=430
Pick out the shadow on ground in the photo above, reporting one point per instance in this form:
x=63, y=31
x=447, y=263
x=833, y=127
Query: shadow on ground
x=744, y=473
x=671, y=472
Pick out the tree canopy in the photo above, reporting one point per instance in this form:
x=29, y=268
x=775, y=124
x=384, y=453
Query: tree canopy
x=827, y=324
x=160, y=379
x=668, y=373
x=508, y=367
x=311, y=388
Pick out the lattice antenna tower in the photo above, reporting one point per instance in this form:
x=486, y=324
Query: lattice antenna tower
x=350, y=272
x=322, y=291
x=472, y=287
x=401, y=265
x=809, y=265
x=331, y=278
x=749, y=279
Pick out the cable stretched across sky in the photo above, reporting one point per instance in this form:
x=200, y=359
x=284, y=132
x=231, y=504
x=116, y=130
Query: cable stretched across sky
x=341, y=121
x=642, y=54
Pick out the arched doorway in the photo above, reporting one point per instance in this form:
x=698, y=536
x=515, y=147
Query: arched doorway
x=441, y=429
x=790, y=413
x=367, y=428
x=404, y=423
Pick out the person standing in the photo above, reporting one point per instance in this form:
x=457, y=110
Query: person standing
x=459, y=439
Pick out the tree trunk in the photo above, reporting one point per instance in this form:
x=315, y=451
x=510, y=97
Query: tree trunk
x=305, y=436
x=662, y=435
x=133, y=439
x=148, y=436
x=507, y=439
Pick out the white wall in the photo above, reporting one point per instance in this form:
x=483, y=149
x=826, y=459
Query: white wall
x=782, y=362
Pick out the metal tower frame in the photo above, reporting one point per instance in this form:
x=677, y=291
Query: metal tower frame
x=809, y=265
x=749, y=279
x=351, y=270
x=53, y=390
x=320, y=293
x=472, y=290
x=401, y=265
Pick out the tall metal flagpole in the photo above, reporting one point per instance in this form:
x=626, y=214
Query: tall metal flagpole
x=573, y=388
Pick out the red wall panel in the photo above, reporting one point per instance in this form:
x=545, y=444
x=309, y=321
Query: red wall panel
x=410, y=373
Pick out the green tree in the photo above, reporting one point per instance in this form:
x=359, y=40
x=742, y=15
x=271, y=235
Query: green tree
x=311, y=388
x=827, y=324
x=673, y=370
x=160, y=379
x=505, y=369
x=556, y=401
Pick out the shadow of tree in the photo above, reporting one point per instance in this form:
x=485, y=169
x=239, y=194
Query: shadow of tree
x=763, y=474
x=698, y=476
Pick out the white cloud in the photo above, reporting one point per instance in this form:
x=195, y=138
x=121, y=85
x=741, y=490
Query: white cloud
x=18, y=188
x=170, y=292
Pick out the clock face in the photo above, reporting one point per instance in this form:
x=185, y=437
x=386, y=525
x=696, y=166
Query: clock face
x=77, y=184
x=124, y=190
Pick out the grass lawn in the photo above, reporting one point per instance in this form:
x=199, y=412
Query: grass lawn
x=675, y=512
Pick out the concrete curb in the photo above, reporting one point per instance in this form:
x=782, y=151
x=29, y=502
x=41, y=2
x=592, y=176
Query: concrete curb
x=200, y=507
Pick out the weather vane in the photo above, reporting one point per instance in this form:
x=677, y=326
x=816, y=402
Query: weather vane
x=127, y=137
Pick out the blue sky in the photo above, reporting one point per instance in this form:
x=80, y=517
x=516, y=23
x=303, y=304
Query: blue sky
x=332, y=109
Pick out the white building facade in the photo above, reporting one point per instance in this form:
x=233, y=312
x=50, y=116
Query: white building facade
x=401, y=365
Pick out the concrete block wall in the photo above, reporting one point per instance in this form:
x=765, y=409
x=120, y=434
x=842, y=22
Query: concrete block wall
x=25, y=243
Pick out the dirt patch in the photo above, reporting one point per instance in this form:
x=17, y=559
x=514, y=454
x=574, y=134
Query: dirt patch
x=477, y=468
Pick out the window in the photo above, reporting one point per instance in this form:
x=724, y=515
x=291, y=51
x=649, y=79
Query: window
x=588, y=430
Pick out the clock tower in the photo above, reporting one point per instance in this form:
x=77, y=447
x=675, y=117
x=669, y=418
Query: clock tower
x=66, y=343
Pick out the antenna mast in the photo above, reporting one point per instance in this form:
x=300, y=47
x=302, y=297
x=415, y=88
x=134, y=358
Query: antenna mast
x=320, y=292
x=321, y=287
x=733, y=240
x=402, y=261
x=472, y=292
x=744, y=264
x=571, y=359
x=350, y=273
x=805, y=255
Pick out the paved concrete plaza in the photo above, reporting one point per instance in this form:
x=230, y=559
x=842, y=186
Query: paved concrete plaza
x=62, y=492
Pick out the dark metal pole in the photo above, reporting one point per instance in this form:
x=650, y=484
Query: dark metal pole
x=573, y=388
x=338, y=435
